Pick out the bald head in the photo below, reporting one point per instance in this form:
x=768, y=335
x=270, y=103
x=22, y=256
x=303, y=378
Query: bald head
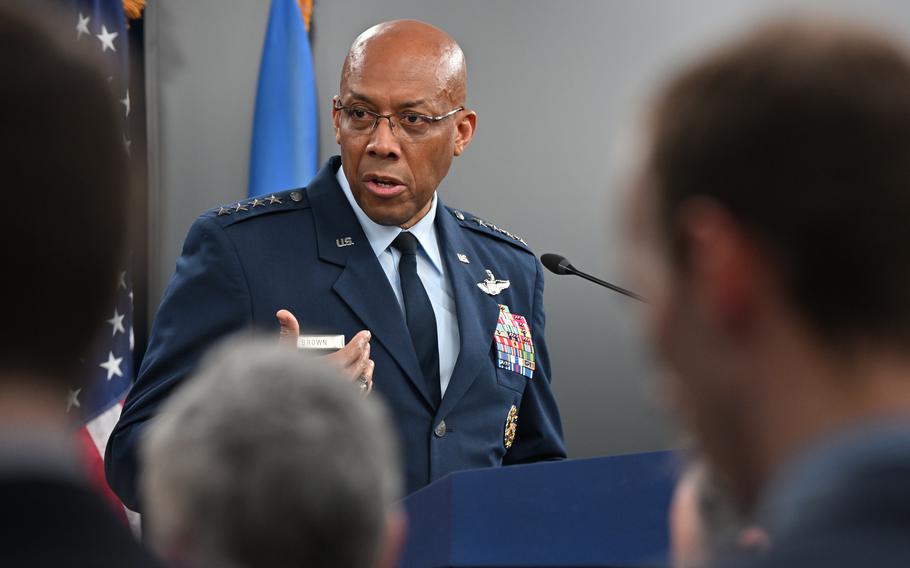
x=401, y=70
x=415, y=49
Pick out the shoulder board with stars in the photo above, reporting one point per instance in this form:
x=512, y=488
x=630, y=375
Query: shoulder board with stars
x=254, y=206
x=470, y=221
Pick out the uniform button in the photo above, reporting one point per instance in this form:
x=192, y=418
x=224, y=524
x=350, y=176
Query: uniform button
x=440, y=430
x=296, y=196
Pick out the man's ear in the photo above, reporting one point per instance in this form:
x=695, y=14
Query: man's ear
x=726, y=265
x=393, y=542
x=336, y=121
x=465, y=131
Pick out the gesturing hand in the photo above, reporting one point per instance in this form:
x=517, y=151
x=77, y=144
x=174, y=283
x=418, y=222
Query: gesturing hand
x=353, y=360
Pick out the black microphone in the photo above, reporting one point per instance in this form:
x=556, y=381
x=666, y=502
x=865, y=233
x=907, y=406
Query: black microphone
x=558, y=264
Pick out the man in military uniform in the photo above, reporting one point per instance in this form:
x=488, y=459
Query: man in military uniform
x=446, y=308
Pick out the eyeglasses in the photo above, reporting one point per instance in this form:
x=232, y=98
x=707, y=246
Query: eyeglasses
x=410, y=125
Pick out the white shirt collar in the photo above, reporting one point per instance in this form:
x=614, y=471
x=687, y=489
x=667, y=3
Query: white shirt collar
x=381, y=236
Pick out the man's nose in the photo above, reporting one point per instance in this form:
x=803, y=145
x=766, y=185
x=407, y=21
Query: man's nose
x=383, y=141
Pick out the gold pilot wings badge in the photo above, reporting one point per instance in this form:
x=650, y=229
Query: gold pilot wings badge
x=492, y=286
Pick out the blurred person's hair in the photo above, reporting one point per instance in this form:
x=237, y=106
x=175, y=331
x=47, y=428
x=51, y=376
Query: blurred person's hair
x=801, y=131
x=266, y=458
x=64, y=172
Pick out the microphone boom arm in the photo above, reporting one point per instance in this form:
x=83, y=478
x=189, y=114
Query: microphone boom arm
x=558, y=264
x=605, y=284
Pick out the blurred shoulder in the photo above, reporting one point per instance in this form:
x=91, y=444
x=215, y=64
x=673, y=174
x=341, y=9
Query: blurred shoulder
x=873, y=546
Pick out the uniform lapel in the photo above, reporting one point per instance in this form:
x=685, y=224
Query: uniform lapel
x=477, y=312
x=362, y=284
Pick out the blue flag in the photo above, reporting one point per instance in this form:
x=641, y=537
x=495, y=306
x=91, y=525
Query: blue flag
x=285, y=147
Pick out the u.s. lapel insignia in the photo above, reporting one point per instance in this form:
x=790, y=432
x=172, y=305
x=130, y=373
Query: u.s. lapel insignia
x=511, y=427
x=492, y=286
x=344, y=242
x=463, y=257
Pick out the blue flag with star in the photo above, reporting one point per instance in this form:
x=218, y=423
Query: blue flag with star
x=284, y=152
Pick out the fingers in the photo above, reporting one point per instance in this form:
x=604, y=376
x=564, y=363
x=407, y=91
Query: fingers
x=365, y=378
x=362, y=370
x=368, y=370
x=369, y=375
x=290, y=329
x=353, y=360
x=354, y=353
x=363, y=366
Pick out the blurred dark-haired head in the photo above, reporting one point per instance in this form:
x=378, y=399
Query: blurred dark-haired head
x=64, y=180
x=802, y=134
x=770, y=230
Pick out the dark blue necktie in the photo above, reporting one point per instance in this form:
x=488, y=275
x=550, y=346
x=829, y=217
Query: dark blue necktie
x=419, y=313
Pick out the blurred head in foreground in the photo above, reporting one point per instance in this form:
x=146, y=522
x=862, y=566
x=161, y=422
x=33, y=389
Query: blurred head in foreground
x=268, y=459
x=769, y=227
x=65, y=189
x=704, y=519
x=64, y=178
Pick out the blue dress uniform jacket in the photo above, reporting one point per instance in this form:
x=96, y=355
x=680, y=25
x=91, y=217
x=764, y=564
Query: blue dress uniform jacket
x=292, y=250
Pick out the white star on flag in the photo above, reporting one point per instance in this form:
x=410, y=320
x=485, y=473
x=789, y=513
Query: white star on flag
x=82, y=26
x=73, y=399
x=126, y=102
x=112, y=365
x=107, y=39
x=117, y=322
x=132, y=339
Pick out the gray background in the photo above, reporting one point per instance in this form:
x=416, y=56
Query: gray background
x=554, y=85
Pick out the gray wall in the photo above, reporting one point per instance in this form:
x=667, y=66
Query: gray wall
x=554, y=83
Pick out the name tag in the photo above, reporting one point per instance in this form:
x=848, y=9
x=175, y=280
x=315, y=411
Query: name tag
x=320, y=342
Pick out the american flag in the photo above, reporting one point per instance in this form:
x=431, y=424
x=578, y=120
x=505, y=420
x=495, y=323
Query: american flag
x=102, y=25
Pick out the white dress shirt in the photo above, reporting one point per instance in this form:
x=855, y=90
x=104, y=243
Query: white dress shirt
x=430, y=269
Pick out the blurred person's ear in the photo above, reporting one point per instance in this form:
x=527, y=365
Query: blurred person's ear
x=393, y=542
x=726, y=267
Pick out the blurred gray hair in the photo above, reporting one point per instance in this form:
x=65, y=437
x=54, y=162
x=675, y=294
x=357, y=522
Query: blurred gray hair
x=267, y=458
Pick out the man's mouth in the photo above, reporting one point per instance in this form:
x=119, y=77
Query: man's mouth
x=383, y=185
